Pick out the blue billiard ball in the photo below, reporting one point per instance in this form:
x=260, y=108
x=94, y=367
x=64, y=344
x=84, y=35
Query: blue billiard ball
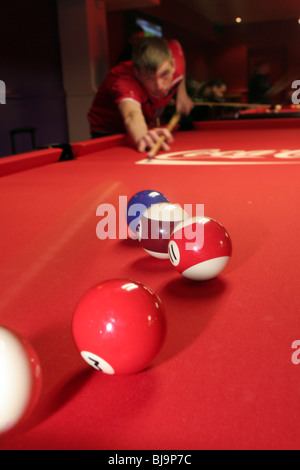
x=139, y=203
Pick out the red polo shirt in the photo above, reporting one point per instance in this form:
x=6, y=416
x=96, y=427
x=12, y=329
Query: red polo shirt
x=122, y=84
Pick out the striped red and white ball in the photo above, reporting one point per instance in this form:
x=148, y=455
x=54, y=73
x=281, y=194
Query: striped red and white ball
x=20, y=379
x=200, y=248
x=119, y=326
x=156, y=226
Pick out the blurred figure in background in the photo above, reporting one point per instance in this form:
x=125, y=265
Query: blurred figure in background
x=259, y=85
x=212, y=91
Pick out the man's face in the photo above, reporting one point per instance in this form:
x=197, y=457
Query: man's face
x=158, y=83
x=219, y=91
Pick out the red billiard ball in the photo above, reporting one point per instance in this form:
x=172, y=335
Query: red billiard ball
x=156, y=225
x=20, y=379
x=119, y=326
x=200, y=248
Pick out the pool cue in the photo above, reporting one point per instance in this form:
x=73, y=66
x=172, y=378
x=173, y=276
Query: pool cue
x=172, y=123
x=231, y=105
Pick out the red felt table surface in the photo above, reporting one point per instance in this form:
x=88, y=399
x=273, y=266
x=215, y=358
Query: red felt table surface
x=225, y=378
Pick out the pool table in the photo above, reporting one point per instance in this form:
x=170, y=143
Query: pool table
x=271, y=112
x=228, y=374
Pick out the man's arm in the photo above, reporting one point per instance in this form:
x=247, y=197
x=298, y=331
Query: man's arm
x=137, y=128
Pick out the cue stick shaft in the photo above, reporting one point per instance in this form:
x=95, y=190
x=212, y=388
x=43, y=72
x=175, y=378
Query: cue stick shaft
x=231, y=105
x=172, y=123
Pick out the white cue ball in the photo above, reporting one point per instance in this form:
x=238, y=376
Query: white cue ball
x=20, y=379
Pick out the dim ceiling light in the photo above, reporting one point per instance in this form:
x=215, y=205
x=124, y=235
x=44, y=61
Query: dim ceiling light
x=238, y=20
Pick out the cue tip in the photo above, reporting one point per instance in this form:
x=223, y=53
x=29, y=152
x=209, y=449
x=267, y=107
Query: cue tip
x=151, y=156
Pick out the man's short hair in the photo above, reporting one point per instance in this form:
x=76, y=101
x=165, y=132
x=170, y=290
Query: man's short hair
x=218, y=82
x=150, y=53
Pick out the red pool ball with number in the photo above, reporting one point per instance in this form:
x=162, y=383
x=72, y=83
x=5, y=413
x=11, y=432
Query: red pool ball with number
x=119, y=326
x=200, y=248
x=156, y=225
